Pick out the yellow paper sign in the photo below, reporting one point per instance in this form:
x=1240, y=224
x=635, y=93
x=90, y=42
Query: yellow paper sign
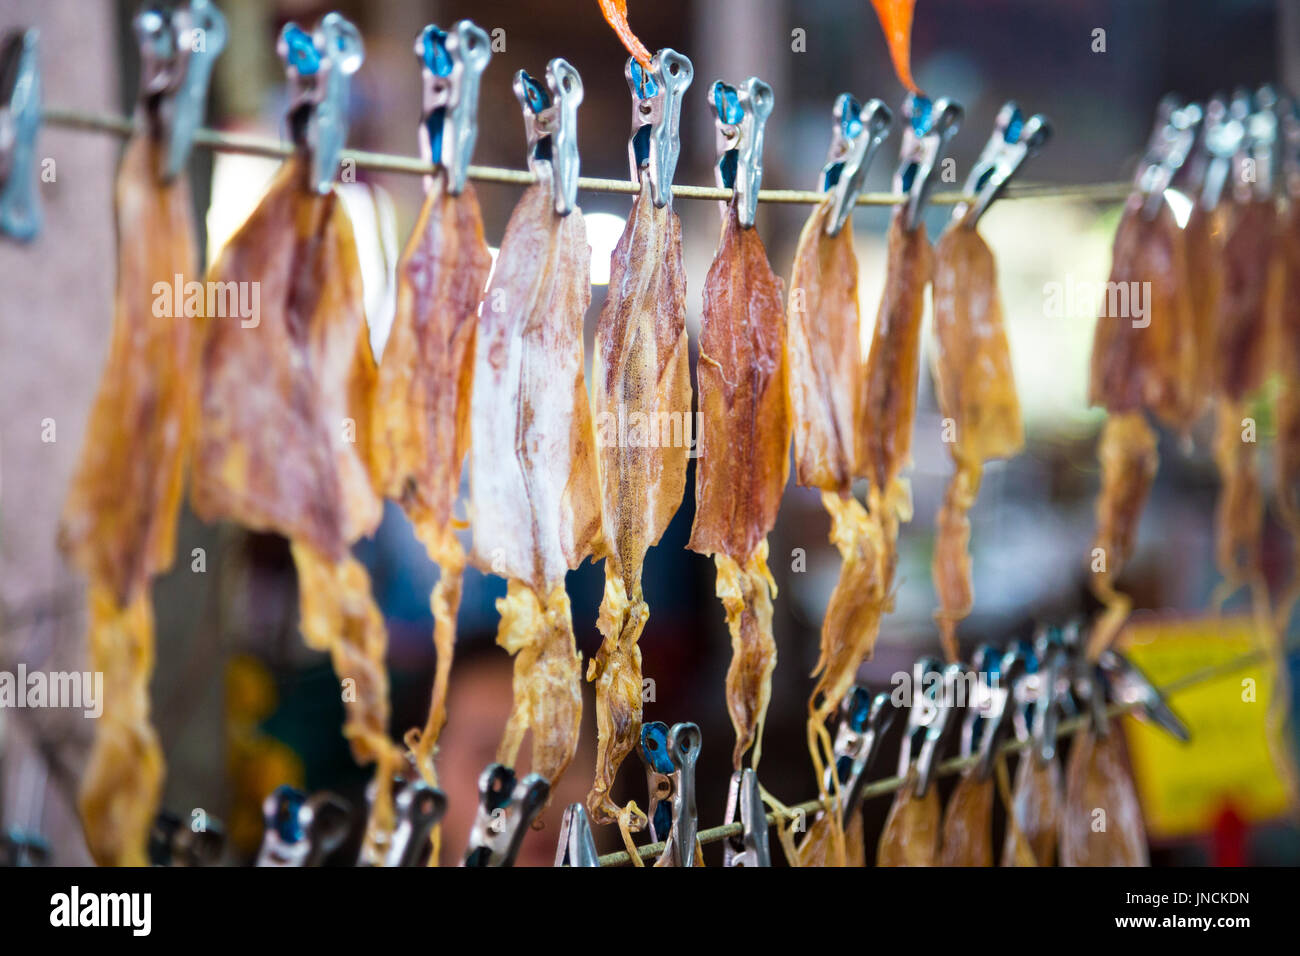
x=1184, y=787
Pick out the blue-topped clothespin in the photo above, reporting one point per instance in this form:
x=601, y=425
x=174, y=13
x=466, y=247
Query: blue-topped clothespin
x=452, y=62
x=506, y=810
x=319, y=66
x=989, y=716
x=178, y=48
x=1208, y=167
x=551, y=126
x=301, y=830
x=656, y=119
x=928, y=127
x=864, y=721
x=175, y=842
x=417, y=807
x=856, y=133
x=1171, y=143
x=669, y=755
x=745, y=800
x=1014, y=140
x=20, y=120
x=577, y=846
x=23, y=848
x=928, y=720
x=740, y=115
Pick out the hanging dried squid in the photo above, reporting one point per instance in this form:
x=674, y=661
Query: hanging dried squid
x=118, y=524
x=643, y=405
x=1144, y=360
x=534, y=494
x=973, y=377
x=422, y=398
x=283, y=438
x=745, y=408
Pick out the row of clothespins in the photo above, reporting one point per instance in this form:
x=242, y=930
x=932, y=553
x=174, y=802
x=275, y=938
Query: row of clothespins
x=1248, y=142
x=1023, y=692
x=178, y=49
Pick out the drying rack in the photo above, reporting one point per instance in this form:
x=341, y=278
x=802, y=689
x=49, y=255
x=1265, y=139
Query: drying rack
x=206, y=138
x=122, y=126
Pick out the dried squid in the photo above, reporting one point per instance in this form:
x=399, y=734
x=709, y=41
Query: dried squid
x=745, y=432
x=283, y=440
x=1144, y=359
x=643, y=407
x=534, y=495
x=825, y=369
x=976, y=388
x=119, y=521
x=1101, y=819
x=422, y=397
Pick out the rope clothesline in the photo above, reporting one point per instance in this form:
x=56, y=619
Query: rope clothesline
x=955, y=765
x=118, y=125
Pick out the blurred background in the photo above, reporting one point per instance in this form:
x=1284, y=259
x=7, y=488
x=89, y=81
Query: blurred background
x=242, y=706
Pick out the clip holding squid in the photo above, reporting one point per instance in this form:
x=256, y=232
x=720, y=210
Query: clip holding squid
x=172, y=842
x=418, y=807
x=551, y=125
x=506, y=809
x=1125, y=684
x=577, y=846
x=319, y=66
x=20, y=121
x=301, y=830
x=740, y=115
x=929, y=125
x=864, y=721
x=1171, y=143
x=669, y=755
x=744, y=799
x=452, y=63
x=856, y=134
x=1258, y=160
x=989, y=716
x=656, y=119
x=1209, y=166
x=1014, y=140
x=177, y=52
x=928, y=719
x=1289, y=128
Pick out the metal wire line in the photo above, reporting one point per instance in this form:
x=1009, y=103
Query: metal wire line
x=1066, y=728
x=387, y=162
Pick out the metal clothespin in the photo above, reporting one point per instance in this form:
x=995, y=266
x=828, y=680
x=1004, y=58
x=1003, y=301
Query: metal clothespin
x=319, y=66
x=856, y=133
x=174, y=842
x=989, y=715
x=656, y=119
x=418, y=808
x=1172, y=138
x=1014, y=140
x=1210, y=165
x=670, y=755
x=928, y=719
x=930, y=124
x=551, y=125
x=1257, y=161
x=1289, y=125
x=20, y=120
x=302, y=830
x=864, y=721
x=739, y=116
x=745, y=799
x=1060, y=656
x=506, y=809
x=1126, y=684
x=178, y=48
x=577, y=846
x=452, y=63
